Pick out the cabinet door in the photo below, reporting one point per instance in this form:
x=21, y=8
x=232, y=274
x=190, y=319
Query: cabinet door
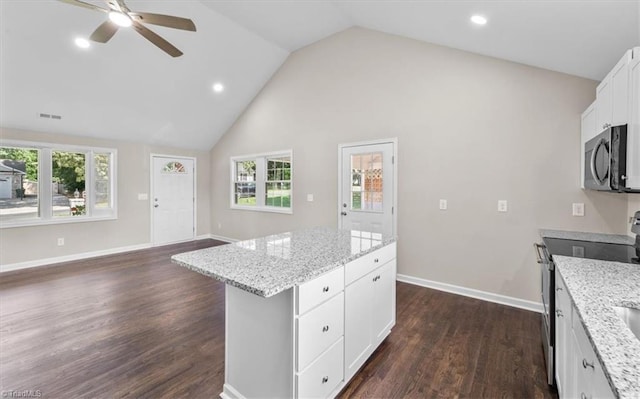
x=633, y=130
x=604, y=104
x=357, y=327
x=588, y=131
x=384, y=300
x=620, y=91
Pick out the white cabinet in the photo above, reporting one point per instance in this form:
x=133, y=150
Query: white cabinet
x=370, y=303
x=612, y=95
x=588, y=131
x=295, y=344
x=633, y=129
x=579, y=374
x=589, y=375
x=562, y=343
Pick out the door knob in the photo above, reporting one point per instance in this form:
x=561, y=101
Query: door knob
x=343, y=213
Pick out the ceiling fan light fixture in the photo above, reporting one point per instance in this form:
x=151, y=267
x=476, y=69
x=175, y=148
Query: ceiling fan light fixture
x=218, y=87
x=120, y=19
x=479, y=20
x=82, y=42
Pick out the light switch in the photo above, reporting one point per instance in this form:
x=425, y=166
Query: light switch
x=309, y=197
x=443, y=204
x=502, y=205
x=143, y=196
x=578, y=209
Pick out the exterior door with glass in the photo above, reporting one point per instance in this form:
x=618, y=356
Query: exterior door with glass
x=367, y=188
x=173, y=199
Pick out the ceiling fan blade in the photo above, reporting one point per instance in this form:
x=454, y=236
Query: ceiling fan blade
x=157, y=40
x=85, y=5
x=105, y=31
x=164, y=20
x=118, y=5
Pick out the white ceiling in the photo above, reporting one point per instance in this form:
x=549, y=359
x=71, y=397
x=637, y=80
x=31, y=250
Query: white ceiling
x=128, y=89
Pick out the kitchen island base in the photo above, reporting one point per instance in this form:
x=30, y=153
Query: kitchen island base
x=304, y=310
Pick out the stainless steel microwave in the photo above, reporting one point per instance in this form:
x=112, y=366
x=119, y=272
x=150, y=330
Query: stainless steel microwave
x=605, y=158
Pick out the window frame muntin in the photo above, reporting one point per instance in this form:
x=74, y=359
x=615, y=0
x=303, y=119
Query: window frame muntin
x=45, y=171
x=261, y=180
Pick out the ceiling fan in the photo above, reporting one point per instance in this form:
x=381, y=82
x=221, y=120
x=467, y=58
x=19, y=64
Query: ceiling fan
x=121, y=16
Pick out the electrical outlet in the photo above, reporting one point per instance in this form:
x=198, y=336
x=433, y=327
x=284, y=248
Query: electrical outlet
x=578, y=209
x=60, y=241
x=502, y=205
x=219, y=225
x=310, y=197
x=143, y=196
x=443, y=204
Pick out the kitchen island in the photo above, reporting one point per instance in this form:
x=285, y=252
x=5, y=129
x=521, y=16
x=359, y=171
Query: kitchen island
x=303, y=310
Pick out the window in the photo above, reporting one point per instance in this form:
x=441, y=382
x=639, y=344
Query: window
x=47, y=183
x=262, y=182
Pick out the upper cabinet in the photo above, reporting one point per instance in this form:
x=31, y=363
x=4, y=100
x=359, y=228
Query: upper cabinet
x=612, y=95
x=589, y=131
x=633, y=129
x=617, y=103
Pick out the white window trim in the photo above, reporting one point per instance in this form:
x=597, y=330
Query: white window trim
x=44, y=173
x=261, y=176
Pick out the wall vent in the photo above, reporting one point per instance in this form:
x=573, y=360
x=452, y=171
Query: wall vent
x=49, y=116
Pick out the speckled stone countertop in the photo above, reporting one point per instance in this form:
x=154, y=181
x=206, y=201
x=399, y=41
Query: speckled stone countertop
x=269, y=265
x=595, y=286
x=594, y=237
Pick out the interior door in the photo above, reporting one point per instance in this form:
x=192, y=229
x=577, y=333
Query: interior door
x=367, y=188
x=173, y=199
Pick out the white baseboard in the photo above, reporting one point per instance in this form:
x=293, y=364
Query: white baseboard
x=68, y=258
x=222, y=238
x=85, y=255
x=472, y=293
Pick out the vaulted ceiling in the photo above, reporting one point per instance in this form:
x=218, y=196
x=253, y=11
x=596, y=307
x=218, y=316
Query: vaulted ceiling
x=130, y=90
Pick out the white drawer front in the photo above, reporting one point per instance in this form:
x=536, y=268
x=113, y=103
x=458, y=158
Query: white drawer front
x=318, y=329
x=318, y=290
x=365, y=264
x=324, y=375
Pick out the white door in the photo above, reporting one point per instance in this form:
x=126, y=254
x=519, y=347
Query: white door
x=367, y=188
x=5, y=186
x=173, y=199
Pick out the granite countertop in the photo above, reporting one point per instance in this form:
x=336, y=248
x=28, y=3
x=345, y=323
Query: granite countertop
x=269, y=265
x=595, y=286
x=593, y=237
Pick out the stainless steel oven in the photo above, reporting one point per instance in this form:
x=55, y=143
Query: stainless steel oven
x=547, y=324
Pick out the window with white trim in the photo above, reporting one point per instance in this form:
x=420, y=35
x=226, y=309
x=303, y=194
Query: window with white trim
x=49, y=183
x=263, y=182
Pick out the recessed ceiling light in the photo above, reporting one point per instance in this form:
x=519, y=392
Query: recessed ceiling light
x=479, y=20
x=120, y=19
x=82, y=42
x=218, y=87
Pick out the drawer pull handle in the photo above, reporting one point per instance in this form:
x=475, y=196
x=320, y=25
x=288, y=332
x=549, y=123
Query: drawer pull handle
x=325, y=379
x=583, y=396
x=325, y=289
x=325, y=328
x=376, y=278
x=376, y=260
x=559, y=289
x=559, y=313
x=586, y=364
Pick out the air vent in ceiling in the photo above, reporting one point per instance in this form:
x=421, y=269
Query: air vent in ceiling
x=49, y=116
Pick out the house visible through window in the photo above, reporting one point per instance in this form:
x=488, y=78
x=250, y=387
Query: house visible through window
x=46, y=183
x=262, y=182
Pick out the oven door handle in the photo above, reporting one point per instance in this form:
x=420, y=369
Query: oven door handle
x=537, y=247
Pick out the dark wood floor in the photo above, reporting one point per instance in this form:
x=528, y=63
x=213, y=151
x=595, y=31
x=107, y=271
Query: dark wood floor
x=136, y=325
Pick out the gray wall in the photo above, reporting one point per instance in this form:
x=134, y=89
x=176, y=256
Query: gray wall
x=132, y=228
x=471, y=129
